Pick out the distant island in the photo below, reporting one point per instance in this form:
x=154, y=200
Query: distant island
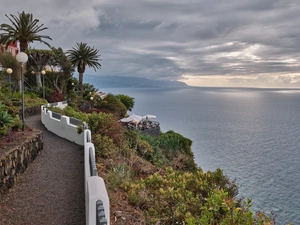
x=101, y=81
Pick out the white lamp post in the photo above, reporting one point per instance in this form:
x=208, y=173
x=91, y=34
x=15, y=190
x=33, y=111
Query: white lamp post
x=43, y=74
x=22, y=58
x=9, y=72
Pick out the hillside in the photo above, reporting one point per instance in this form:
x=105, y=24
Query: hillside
x=123, y=82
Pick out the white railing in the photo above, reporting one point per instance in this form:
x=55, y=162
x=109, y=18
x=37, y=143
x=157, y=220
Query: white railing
x=96, y=198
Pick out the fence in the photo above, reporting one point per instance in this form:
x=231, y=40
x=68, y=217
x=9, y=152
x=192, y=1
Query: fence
x=96, y=198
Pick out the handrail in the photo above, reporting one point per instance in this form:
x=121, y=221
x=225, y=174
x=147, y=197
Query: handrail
x=93, y=167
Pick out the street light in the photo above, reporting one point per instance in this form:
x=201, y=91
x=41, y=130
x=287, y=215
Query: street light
x=22, y=58
x=9, y=72
x=43, y=73
x=91, y=102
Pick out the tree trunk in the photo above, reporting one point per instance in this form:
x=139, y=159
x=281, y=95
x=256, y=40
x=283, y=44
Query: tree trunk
x=23, y=46
x=55, y=83
x=38, y=79
x=80, y=79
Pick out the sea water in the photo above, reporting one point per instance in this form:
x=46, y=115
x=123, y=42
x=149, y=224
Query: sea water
x=253, y=135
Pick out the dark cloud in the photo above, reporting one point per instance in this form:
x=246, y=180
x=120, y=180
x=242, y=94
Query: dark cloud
x=251, y=42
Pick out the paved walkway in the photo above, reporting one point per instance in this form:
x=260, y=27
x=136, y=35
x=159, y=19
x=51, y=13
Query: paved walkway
x=51, y=190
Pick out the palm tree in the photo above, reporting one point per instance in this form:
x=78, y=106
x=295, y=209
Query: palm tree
x=81, y=56
x=23, y=29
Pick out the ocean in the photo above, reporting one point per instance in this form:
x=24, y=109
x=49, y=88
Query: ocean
x=253, y=135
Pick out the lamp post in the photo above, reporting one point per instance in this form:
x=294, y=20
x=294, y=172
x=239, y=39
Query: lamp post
x=22, y=58
x=9, y=72
x=91, y=102
x=43, y=73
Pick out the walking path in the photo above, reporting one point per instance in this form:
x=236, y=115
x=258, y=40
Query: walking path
x=51, y=190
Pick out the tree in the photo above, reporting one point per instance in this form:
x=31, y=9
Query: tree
x=24, y=29
x=9, y=61
x=37, y=60
x=81, y=56
x=61, y=69
x=126, y=100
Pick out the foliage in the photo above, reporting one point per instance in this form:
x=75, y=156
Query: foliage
x=172, y=149
x=88, y=91
x=9, y=61
x=61, y=70
x=71, y=112
x=104, y=146
x=111, y=104
x=5, y=118
x=7, y=121
x=144, y=149
x=24, y=29
x=55, y=97
x=81, y=56
x=105, y=124
x=37, y=60
x=168, y=198
x=119, y=174
x=126, y=100
x=224, y=210
x=192, y=198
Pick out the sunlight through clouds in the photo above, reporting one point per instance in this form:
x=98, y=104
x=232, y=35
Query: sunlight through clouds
x=232, y=43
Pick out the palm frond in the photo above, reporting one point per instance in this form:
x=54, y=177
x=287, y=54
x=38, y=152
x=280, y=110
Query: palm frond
x=24, y=29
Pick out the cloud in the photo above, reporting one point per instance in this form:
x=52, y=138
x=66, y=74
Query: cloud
x=219, y=42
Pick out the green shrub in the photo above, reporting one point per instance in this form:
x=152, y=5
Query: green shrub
x=126, y=100
x=106, y=125
x=144, y=149
x=194, y=198
x=5, y=118
x=104, y=146
x=118, y=175
x=7, y=121
x=111, y=104
x=172, y=149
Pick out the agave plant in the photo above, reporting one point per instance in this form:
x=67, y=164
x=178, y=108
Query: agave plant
x=5, y=118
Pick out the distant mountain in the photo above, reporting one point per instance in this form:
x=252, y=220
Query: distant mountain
x=123, y=82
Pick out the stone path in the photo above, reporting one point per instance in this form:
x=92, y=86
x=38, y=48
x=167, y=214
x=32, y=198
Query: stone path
x=51, y=190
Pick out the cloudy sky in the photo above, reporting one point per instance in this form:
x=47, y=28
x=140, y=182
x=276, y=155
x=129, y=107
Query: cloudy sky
x=253, y=43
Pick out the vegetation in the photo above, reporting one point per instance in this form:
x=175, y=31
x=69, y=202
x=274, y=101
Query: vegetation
x=127, y=101
x=61, y=70
x=37, y=60
x=81, y=56
x=160, y=179
x=5, y=120
x=24, y=29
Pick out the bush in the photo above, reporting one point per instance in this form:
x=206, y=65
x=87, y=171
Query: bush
x=126, y=100
x=55, y=97
x=106, y=125
x=172, y=149
x=195, y=198
x=111, y=104
x=5, y=120
x=104, y=146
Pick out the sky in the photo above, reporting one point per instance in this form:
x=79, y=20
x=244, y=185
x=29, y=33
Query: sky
x=234, y=43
